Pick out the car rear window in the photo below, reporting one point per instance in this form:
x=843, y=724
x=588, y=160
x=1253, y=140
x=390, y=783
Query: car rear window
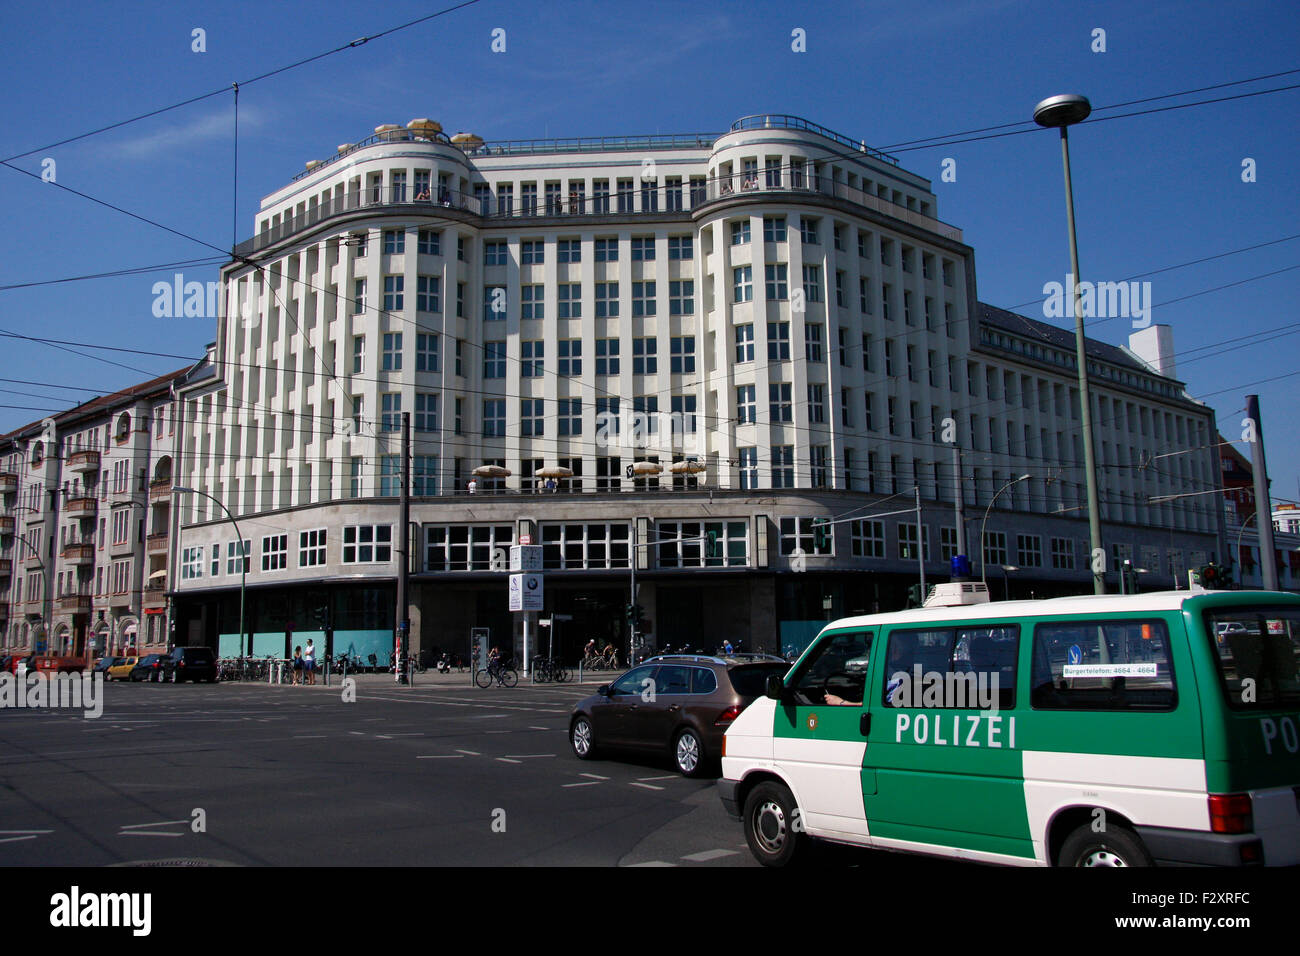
x=198, y=653
x=751, y=680
x=1258, y=649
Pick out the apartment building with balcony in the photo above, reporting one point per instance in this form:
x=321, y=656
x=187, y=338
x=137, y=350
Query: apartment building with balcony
x=85, y=522
x=684, y=350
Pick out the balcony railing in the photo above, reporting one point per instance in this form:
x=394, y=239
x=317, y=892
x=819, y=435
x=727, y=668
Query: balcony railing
x=156, y=542
x=83, y=462
x=160, y=489
x=8, y=482
x=74, y=603
x=81, y=507
x=79, y=553
x=667, y=201
x=6, y=525
x=6, y=567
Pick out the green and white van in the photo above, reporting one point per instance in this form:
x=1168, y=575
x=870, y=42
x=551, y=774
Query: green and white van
x=1082, y=731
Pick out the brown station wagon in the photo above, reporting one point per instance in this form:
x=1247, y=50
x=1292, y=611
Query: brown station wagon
x=678, y=704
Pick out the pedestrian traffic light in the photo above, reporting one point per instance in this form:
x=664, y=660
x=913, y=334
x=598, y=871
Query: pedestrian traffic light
x=915, y=596
x=713, y=545
x=821, y=534
x=635, y=614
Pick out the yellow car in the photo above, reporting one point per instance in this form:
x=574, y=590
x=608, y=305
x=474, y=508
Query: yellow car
x=121, y=669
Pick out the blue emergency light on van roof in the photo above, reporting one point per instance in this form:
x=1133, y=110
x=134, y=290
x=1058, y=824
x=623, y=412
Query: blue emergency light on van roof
x=960, y=567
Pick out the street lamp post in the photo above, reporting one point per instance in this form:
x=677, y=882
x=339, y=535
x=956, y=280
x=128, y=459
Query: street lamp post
x=1062, y=112
x=1006, y=582
x=983, y=569
x=243, y=556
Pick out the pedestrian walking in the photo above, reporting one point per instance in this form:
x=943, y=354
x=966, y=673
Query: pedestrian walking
x=297, y=664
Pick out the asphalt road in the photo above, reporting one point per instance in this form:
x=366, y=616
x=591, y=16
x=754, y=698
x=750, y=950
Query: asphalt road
x=434, y=775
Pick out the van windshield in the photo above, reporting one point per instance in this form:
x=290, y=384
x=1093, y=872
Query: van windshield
x=1259, y=655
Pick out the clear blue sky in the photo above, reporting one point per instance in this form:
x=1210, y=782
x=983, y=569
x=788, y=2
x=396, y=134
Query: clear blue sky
x=1152, y=191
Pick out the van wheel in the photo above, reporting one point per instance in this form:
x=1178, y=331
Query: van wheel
x=1117, y=846
x=773, y=828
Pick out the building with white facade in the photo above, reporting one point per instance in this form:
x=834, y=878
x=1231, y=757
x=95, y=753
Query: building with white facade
x=777, y=310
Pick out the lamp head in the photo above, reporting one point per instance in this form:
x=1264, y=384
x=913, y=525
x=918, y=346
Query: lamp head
x=1065, y=109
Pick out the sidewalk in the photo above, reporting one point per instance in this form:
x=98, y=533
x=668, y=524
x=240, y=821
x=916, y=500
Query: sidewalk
x=454, y=680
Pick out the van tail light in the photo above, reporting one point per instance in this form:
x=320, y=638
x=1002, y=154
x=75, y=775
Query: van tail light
x=727, y=716
x=1231, y=813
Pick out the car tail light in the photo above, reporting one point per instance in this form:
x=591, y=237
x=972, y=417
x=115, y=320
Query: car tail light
x=1230, y=813
x=727, y=716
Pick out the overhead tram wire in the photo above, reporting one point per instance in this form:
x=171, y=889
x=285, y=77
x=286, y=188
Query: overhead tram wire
x=353, y=44
x=116, y=273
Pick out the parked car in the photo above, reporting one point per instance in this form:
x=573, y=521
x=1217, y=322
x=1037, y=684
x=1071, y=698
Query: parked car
x=148, y=668
x=121, y=668
x=677, y=704
x=6, y=663
x=103, y=664
x=24, y=665
x=190, y=663
x=59, y=664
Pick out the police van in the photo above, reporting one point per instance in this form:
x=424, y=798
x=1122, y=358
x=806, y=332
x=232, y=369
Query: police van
x=1157, y=728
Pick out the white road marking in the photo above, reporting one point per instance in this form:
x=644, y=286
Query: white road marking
x=17, y=838
x=440, y=757
x=141, y=833
x=707, y=855
x=584, y=783
x=671, y=776
x=652, y=863
x=20, y=835
x=309, y=736
x=529, y=756
x=508, y=760
x=472, y=753
x=648, y=786
x=164, y=823
x=538, y=728
x=594, y=776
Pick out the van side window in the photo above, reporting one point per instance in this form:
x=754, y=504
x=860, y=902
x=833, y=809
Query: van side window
x=960, y=667
x=1103, y=665
x=838, y=665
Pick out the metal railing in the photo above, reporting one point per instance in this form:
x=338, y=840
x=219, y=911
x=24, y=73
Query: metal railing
x=675, y=201
x=787, y=121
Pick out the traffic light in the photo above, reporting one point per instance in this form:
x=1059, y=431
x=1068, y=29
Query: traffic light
x=821, y=534
x=713, y=545
x=915, y=597
x=635, y=614
x=1128, y=579
x=1213, y=577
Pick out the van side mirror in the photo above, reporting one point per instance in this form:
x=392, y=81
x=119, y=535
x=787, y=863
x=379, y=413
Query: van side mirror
x=774, y=687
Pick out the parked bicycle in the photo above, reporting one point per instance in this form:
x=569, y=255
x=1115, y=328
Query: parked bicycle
x=548, y=669
x=504, y=675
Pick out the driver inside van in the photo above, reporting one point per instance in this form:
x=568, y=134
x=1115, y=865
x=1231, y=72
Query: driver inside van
x=902, y=649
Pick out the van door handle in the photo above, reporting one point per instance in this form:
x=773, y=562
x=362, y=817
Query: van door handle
x=864, y=724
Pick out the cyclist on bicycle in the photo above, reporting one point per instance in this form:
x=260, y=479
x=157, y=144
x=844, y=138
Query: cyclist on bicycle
x=589, y=651
x=494, y=662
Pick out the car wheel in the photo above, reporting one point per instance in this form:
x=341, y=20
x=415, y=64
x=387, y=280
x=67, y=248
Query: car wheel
x=582, y=739
x=773, y=828
x=1114, y=846
x=688, y=753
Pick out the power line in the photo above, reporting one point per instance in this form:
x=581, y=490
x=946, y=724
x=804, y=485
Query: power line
x=360, y=41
